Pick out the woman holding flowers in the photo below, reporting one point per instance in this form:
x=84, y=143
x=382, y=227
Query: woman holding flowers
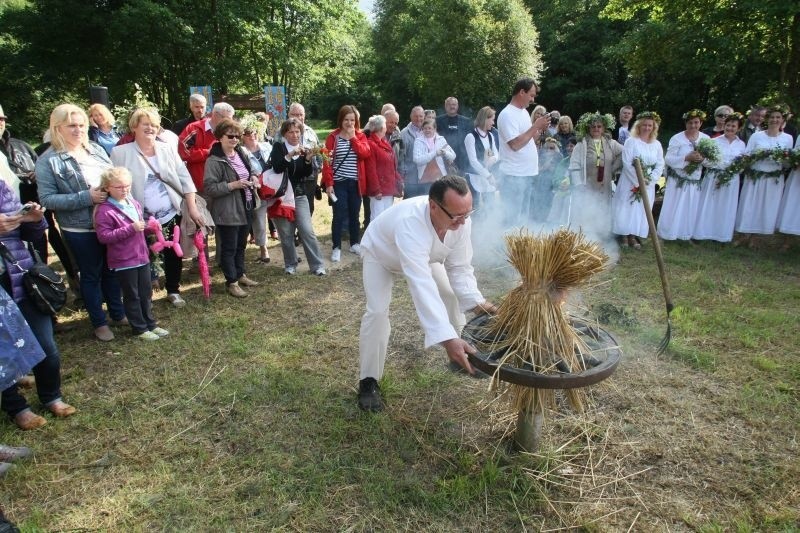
x=630, y=220
x=760, y=198
x=719, y=193
x=686, y=153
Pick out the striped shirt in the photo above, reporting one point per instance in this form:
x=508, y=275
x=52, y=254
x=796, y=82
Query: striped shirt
x=241, y=171
x=345, y=161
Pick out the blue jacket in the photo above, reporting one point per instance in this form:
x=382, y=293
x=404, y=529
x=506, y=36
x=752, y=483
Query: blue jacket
x=63, y=189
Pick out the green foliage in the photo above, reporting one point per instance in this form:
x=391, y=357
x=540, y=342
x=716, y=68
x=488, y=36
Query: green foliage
x=579, y=76
x=702, y=54
x=426, y=54
x=52, y=48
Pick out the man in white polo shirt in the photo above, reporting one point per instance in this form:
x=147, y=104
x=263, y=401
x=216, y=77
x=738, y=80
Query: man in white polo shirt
x=519, y=159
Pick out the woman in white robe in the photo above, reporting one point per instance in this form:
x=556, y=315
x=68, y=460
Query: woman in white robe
x=682, y=196
x=789, y=216
x=630, y=220
x=716, y=213
x=760, y=198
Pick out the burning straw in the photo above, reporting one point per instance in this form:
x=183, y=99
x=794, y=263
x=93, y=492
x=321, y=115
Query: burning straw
x=532, y=329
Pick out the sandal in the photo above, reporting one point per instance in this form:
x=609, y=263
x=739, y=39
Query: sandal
x=263, y=260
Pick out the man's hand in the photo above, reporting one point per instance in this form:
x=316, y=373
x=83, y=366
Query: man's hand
x=486, y=307
x=457, y=350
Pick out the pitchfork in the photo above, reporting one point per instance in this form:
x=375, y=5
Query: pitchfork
x=662, y=270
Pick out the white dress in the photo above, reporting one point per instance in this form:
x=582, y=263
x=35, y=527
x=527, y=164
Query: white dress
x=789, y=214
x=682, y=198
x=629, y=215
x=716, y=213
x=760, y=199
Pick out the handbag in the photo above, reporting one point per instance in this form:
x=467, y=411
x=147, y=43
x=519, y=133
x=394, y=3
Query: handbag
x=265, y=192
x=431, y=172
x=43, y=286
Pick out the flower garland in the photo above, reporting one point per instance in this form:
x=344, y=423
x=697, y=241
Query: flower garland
x=587, y=119
x=705, y=147
x=743, y=165
x=694, y=113
x=652, y=115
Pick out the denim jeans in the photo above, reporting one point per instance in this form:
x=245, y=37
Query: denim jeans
x=346, y=209
x=98, y=283
x=47, y=371
x=515, y=193
x=231, y=242
x=302, y=223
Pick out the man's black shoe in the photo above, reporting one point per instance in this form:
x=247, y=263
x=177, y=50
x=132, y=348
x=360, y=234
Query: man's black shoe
x=369, y=395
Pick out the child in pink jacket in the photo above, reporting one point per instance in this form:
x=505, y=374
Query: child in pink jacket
x=120, y=226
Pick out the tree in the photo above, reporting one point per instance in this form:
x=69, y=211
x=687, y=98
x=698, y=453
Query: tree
x=579, y=76
x=425, y=51
x=54, y=49
x=703, y=53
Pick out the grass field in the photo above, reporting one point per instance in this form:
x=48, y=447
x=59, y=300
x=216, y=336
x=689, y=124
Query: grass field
x=244, y=419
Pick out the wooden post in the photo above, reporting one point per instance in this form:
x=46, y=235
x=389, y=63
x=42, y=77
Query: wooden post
x=529, y=430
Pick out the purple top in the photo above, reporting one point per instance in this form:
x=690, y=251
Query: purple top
x=125, y=247
x=28, y=231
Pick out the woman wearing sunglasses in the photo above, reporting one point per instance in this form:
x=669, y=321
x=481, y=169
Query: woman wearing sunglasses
x=230, y=181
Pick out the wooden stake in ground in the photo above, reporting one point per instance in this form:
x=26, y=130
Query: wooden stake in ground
x=536, y=334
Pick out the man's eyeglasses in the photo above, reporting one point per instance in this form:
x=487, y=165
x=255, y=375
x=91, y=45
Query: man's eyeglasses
x=231, y=136
x=455, y=218
x=721, y=115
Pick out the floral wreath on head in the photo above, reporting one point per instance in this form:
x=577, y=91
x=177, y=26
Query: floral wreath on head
x=735, y=115
x=587, y=119
x=552, y=140
x=251, y=122
x=694, y=113
x=783, y=109
x=652, y=115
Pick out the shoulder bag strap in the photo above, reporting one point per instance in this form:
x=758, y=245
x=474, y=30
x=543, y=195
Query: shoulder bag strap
x=8, y=256
x=158, y=176
x=349, y=148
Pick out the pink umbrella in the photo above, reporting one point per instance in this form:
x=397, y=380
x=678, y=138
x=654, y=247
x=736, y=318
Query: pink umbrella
x=202, y=263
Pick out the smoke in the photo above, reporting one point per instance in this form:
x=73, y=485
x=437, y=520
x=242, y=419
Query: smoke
x=578, y=209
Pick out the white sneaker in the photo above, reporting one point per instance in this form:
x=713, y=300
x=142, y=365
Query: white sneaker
x=356, y=249
x=291, y=270
x=320, y=272
x=336, y=255
x=161, y=332
x=176, y=300
x=148, y=336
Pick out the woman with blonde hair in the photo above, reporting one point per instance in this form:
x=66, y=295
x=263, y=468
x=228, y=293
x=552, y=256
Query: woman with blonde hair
x=564, y=132
x=160, y=183
x=102, y=129
x=538, y=112
x=630, y=220
x=68, y=175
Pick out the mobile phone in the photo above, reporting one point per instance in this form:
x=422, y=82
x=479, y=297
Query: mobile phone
x=24, y=210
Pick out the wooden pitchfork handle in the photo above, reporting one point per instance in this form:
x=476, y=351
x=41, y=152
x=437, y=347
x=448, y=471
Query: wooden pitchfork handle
x=662, y=269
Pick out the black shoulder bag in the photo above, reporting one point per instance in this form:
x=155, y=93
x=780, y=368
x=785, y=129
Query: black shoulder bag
x=43, y=286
